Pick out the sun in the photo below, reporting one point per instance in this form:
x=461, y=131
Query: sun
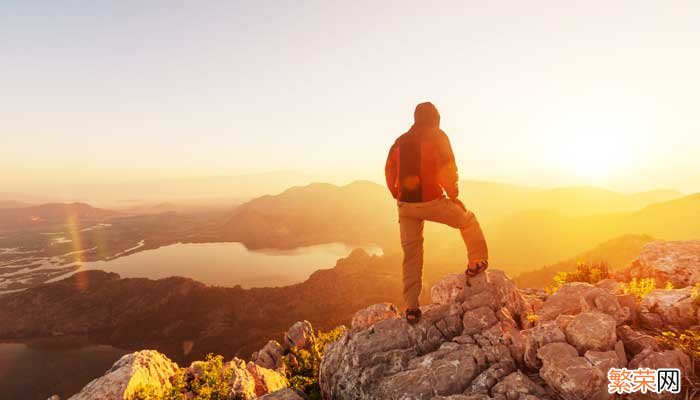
x=593, y=156
x=592, y=147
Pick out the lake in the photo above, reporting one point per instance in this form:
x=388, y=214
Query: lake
x=41, y=368
x=229, y=264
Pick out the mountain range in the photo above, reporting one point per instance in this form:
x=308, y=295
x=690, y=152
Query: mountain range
x=526, y=227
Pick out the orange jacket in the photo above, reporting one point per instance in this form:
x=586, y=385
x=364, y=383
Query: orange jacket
x=420, y=164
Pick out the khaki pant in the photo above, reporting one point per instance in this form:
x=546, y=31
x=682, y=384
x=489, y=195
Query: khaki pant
x=411, y=220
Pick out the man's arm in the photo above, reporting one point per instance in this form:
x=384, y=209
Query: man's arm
x=391, y=171
x=447, y=172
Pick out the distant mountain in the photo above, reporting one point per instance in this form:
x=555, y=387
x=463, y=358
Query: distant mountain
x=360, y=212
x=617, y=253
x=491, y=200
x=544, y=237
x=51, y=213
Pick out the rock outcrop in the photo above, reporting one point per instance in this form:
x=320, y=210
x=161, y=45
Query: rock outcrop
x=676, y=262
x=145, y=370
x=476, y=342
x=457, y=348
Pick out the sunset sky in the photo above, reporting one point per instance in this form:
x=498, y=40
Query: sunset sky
x=545, y=93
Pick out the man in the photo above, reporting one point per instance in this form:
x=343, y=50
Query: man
x=420, y=170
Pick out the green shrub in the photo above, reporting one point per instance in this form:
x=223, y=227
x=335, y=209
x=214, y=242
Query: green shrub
x=303, y=368
x=640, y=288
x=585, y=272
x=211, y=382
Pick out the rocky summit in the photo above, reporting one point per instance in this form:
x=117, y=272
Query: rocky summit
x=484, y=339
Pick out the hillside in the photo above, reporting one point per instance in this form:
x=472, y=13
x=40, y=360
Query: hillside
x=163, y=314
x=616, y=253
x=544, y=237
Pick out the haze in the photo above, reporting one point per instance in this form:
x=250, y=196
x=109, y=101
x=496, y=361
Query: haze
x=544, y=93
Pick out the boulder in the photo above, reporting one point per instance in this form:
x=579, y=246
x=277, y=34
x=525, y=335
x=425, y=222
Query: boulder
x=675, y=307
x=660, y=359
x=676, y=262
x=146, y=370
x=518, y=385
x=371, y=315
x=449, y=289
x=537, y=337
x=572, y=377
x=300, y=335
x=604, y=360
x=566, y=300
x=634, y=341
x=478, y=320
x=601, y=300
x=270, y=356
x=266, y=380
x=611, y=286
x=591, y=331
x=494, y=290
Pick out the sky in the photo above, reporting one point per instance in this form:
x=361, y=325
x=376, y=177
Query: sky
x=544, y=93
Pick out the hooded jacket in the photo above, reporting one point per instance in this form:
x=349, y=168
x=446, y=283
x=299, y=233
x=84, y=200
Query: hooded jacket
x=420, y=164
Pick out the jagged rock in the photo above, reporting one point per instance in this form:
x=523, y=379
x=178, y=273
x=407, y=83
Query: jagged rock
x=456, y=351
x=674, y=307
x=635, y=341
x=572, y=377
x=537, y=337
x=284, y=394
x=516, y=385
x=566, y=300
x=591, y=331
x=478, y=320
x=660, y=359
x=629, y=306
x=605, y=302
x=266, y=380
x=611, y=286
x=488, y=379
x=576, y=297
x=270, y=356
x=373, y=314
x=563, y=321
x=300, y=335
x=676, y=262
x=142, y=370
x=449, y=289
x=604, y=360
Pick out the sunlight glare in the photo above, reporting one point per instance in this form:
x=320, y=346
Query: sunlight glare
x=592, y=146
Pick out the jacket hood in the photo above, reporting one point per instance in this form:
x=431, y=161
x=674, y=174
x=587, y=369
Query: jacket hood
x=426, y=115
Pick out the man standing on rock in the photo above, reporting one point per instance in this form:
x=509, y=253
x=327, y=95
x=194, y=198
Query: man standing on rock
x=420, y=170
